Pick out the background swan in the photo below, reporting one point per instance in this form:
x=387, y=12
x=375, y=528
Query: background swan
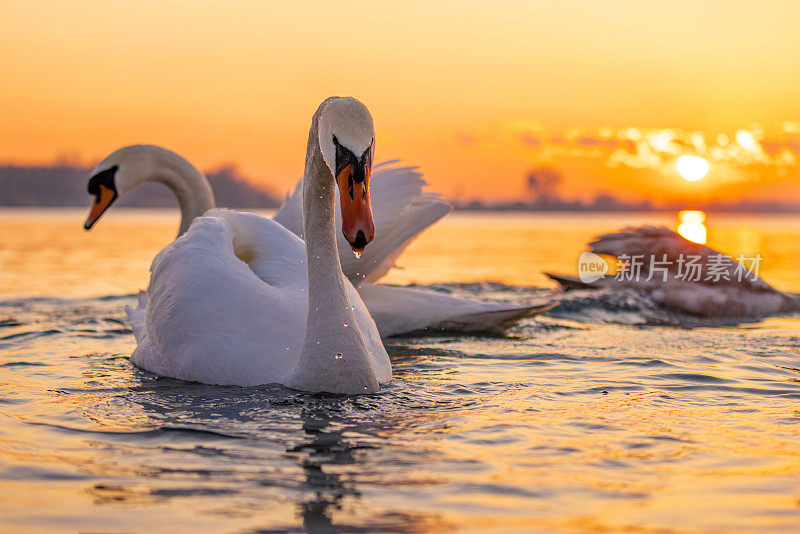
x=239, y=299
x=402, y=211
x=732, y=295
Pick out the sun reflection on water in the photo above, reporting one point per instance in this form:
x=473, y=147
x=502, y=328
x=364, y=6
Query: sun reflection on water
x=692, y=226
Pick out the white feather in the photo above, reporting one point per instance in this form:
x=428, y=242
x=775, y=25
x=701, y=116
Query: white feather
x=401, y=211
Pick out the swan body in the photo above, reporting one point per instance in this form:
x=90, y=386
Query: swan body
x=239, y=299
x=210, y=317
x=402, y=210
x=732, y=296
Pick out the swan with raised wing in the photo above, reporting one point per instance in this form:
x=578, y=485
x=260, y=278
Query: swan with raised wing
x=402, y=211
x=239, y=299
x=718, y=286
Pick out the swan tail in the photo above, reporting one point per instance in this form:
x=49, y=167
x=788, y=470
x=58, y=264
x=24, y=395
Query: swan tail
x=401, y=310
x=136, y=316
x=490, y=322
x=570, y=283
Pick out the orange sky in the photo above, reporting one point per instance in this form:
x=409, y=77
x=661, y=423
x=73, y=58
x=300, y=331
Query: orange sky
x=475, y=93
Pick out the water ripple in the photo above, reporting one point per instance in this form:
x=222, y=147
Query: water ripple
x=605, y=405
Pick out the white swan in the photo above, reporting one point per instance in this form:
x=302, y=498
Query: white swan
x=402, y=211
x=239, y=299
x=733, y=294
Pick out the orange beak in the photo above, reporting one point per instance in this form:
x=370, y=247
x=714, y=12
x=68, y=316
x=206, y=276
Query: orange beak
x=101, y=203
x=357, y=225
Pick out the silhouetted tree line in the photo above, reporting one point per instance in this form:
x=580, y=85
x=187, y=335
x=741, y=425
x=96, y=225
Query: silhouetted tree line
x=543, y=185
x=65, y=185
x=62, y=185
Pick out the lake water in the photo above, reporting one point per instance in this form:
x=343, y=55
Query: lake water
x=608, y=414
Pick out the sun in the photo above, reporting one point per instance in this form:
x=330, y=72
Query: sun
x=692, y=168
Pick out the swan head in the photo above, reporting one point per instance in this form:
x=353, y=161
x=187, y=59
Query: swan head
x=120, y=172
x=102, y=184
x=347, y=143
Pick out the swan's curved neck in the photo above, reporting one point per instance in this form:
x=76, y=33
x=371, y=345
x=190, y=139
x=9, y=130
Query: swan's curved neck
x=334, y=357
x=189, y=185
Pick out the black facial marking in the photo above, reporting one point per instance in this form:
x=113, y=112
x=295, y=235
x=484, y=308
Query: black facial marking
x=105, y=178
x=360, y=166
x=343, y=157
x=366, y=158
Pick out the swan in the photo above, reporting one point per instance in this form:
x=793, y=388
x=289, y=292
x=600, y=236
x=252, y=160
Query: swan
x=736, y=294
x=240, y=300
x=402, y=211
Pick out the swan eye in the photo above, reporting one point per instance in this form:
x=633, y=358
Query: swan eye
x=104, y=178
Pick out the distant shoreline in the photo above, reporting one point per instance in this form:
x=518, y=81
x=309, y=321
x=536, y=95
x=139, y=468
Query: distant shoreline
x=65, y=186
x=665, y=211
x=673, y=209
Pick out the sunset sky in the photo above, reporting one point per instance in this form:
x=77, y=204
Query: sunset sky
x=476, y=93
